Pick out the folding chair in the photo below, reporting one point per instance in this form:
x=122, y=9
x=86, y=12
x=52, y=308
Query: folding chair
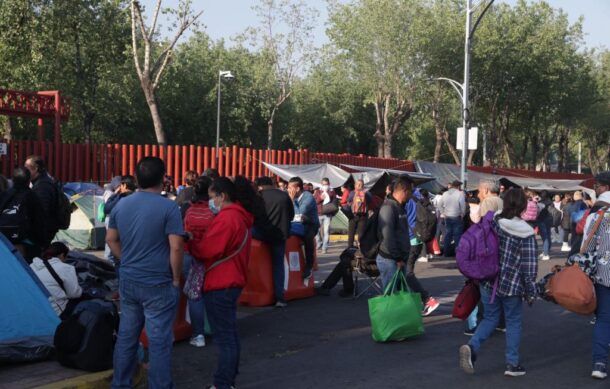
x=368, y=268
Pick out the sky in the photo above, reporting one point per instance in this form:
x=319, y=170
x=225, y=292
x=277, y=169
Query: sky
x=224, y=19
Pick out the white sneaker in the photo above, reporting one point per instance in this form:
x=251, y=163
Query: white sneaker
x=545, y=257
x=198, y=341
x=422, y=259
x=565, y=247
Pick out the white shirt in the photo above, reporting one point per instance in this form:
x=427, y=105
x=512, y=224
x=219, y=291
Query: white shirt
x=453, y=203
x=67, y=273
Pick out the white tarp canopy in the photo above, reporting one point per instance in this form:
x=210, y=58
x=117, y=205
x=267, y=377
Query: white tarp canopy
x=363, y=171
x=311, y=173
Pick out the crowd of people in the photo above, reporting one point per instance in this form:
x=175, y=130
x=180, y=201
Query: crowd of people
x=197, y=239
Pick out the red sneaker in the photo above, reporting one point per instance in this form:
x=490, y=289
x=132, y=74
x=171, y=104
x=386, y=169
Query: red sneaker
x=431, y=305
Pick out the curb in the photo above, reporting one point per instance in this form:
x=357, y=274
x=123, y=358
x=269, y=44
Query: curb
x=99, y=380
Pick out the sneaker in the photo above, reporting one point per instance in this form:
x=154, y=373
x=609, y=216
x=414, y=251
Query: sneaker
x=501, y=329
x=545, y=257
x=514, y=371
x=467, y=358
x=599, y=371
x=431, y=305
x=469, y=331
x=306, y=273
x=197, y=341
x=281, y=304
x=565, y=247
x=422, y=259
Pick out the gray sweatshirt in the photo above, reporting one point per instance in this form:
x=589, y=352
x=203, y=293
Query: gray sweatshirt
x=453, y=203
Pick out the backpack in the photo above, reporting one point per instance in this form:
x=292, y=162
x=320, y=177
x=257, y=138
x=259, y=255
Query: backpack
x=85, y=340
x=63, y=209
x=15, y=221
x=531, y=212
x=359, y=205
x=478, y=255
x=556, y=215
x=369, y=241
x=425, y=222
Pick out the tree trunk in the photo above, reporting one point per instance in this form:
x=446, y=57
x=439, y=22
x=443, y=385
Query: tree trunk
x=8, y=129
x=151, y=100
x=387, y=145
x=470, y=157
x=380, y=142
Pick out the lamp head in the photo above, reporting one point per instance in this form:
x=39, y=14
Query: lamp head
x=227, y=75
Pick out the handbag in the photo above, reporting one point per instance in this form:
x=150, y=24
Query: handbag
x=330, y=209
x=466, y=301
x=572, y=287
x=396, y=316
x=193, y=284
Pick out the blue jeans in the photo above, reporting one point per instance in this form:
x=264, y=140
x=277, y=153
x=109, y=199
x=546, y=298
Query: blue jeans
x=154, y=308
x=278, y=252
x=324, y=231
x=196, y=307
x=221, y=307
x=387, y=269
x=454, y=228
x=472, y=319
x=545, y=233
x=512, y=307
x=601, y=330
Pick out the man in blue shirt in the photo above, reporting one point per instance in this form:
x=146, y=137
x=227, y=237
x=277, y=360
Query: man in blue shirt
x=145, y=234
x=305, y=211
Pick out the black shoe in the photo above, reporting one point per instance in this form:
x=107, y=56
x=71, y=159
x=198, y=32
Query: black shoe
x=470, y=332
x=322, y=291
x=306, y=273
x=514, y=371
x=346, y=293
x=467, y=358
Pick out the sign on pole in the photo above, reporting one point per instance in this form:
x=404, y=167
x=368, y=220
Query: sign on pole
x=472, y=138
x=3, y=149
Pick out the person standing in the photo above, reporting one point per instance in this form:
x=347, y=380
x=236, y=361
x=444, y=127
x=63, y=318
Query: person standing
x=197, y=221
x=393, y=229
x=306, y=212
x=489, y=194
x=280, y=212
x=145, y=234
x=516, y=282
x=225, y=252
x=453, y=208
x=44, y=187
x=601, y=245
x=359, y=202
x=544, y=222
x=323, y=196
x=566, y=222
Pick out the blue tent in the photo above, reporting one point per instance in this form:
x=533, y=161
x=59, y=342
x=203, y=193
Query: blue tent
x=27, y=320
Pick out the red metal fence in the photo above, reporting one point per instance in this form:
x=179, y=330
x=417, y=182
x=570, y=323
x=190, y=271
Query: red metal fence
x=99, y=163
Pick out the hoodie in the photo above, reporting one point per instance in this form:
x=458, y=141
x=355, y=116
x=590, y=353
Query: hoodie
x=67, y=273
x=518, y=259
x=223, y=238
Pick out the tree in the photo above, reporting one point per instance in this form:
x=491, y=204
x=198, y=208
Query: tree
x=380, y=44
x=150, y=70
x=283, y=55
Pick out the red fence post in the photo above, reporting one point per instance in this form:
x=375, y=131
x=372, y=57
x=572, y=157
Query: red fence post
x=248, y=164
x=185, y=161
x=117, y=160
x=199, y=162
x=132, y=160
x=146, y=150
x=213, y=158
x=206, y=158
x=97, y=161
x=139, y=151
x=177, y=173
x=124, y=156
x=155, y=150
x=221, y=162
x=192, y=157
x=234, y=155
x=169, y=164
x=228, y=160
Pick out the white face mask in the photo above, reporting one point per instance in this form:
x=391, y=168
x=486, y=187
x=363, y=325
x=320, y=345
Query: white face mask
x=325, y=188
x=213, y=207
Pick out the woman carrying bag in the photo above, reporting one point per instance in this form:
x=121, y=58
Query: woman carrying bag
x=225, y=251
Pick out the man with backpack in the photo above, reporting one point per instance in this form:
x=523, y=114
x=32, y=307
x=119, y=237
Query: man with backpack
x=54, y=203
x=359, y=202
x=417, y=220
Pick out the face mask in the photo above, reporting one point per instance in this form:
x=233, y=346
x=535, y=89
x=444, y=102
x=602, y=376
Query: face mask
x=325, y=188
x=213, y=207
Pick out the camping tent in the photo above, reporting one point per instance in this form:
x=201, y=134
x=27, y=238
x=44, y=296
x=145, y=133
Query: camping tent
x=85, y=231
x=28, y=321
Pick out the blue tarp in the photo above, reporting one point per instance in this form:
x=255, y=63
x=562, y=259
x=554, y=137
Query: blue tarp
x=72, y=188
x=27, y=320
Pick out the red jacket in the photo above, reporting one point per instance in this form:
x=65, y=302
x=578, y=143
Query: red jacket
x=223, y=238
x=197, y=220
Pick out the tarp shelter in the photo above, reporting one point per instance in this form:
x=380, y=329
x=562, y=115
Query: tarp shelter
x=312, y=173
x=85, y=231
x=376, y=179
x=74, y=188
x=28, y=321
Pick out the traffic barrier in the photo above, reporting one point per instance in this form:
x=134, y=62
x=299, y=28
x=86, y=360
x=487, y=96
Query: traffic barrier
x=294, y=263
x=258, y=291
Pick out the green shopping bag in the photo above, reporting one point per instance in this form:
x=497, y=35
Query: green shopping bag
x=396, y=316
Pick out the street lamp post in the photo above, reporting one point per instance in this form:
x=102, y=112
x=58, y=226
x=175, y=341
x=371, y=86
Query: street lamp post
x=222, y=75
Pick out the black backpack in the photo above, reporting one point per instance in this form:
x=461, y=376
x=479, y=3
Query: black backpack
x=556, y=215
x=63, y=209
x=15, y=221
x=425, y=222
x=85, y=340
x=369, y=241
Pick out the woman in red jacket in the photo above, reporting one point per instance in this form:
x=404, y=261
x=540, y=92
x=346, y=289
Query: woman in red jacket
x=225, y=251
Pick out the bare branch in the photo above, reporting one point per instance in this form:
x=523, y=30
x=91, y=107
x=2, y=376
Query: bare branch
x=134, y=41
x=153, y=26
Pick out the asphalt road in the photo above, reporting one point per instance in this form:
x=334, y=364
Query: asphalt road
x=325, y=342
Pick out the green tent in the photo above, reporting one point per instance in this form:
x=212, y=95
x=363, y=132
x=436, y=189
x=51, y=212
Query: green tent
x=339, y=223
x=85, y=231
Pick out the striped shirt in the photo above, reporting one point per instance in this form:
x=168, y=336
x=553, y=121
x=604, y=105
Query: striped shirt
x=600, y=245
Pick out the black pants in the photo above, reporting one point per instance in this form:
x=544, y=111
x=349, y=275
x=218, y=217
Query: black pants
x=356, y=224
x=310, y=245
x=412, y=281
x=343, y=270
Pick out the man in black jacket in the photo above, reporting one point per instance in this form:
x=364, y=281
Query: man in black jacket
x=280, y=211
x=394, y=230
x=44, y=187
